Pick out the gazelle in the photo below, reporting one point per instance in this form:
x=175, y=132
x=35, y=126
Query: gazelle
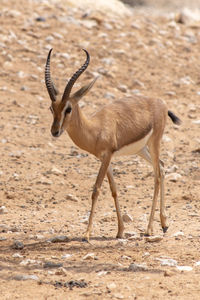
x=130, y=126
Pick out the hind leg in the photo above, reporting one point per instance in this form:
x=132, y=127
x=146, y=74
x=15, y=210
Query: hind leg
x=158, y=183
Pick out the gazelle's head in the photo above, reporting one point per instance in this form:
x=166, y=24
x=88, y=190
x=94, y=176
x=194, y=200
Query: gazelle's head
x=62, y=108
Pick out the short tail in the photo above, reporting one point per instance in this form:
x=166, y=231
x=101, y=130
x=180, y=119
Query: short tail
x=174, y=118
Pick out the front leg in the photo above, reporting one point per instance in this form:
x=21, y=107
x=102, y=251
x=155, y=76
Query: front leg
x=114, y=194
x=102, y=172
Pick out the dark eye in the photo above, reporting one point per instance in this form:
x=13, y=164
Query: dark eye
x=68, y=110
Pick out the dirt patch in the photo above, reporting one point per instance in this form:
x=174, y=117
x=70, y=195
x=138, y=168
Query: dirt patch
x=46, y=183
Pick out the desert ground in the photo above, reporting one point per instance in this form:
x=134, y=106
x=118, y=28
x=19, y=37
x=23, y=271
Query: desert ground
x=46, y=183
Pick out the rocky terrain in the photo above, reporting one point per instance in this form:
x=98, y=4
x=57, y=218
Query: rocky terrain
x=46, y=183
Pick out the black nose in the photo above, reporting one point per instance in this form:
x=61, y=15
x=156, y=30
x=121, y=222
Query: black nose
x=55, y=134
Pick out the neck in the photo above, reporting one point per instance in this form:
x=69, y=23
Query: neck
x=80, y=130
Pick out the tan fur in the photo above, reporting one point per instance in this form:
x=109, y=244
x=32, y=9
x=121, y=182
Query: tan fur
x=116, y=125
x=131, y=123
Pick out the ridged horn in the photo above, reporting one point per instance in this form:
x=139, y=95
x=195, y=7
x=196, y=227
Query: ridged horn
x=49, y=83
x=75, y=76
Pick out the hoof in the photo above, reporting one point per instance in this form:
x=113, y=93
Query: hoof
x=85, y=240
x=146, y=234
x=165, y=229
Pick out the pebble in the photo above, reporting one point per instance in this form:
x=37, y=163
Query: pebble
x=167, y=262
x=152, y=239
x=137, y=267
x=71, y=198
x=197, y=122
x=118, y=296
x=184, y=268
x=3, y=210
x=127, y=218
x=66, y=256
x=56, y=171
x=17, y=245
x=25, y=277
x=89, y=256
x=17, y=255
x=58, y=239
x=178, y=233
x=61, y=271
x=123, y=88
x=102, y=273
x=29, y=261
x=111, y=286
x=44, y=180
x=51, y=265
x=174, y=177
x=197, y=264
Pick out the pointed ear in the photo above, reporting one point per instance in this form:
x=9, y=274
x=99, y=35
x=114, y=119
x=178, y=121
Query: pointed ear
x=82, y=91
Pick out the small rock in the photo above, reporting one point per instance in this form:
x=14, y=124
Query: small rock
x=61, y=271
x=174, y=177
x=111, y=286
x=39, y=236
x=40, y=19
x=51, y=265
x=168, y=273
x=178, y=233
x=184, y=268
x=122, y=242
x=44, y=180
x=3, y=210
x=197, y=122
x=167, y=262
x=29, y=261
x=127, y=218
x=152, y=239
x=58, y=239
x=25, y=277
x=56, y=171
x=172, y=169
x=118, y=296
x=89, y=256
x=18, y=245
x=123, y=88
x=197, y=264
x=137, y=267
x=102, y=273
x=137, y=83
x=71, y=198
x=66, y=256
x=17, y=255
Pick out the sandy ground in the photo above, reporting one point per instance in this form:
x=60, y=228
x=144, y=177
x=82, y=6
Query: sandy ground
x=46, y=183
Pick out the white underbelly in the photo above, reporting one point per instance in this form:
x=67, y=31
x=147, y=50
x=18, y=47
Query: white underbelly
x=134, y=147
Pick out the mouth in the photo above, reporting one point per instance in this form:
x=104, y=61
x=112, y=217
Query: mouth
x=57, y=133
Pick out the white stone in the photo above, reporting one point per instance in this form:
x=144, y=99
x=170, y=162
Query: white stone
x=3, y=210
x=167, y=262
x=89, y=256
x=154, y=238
x=184, y=268
x=66, y=256
x=55, y=171
x=127, y=218
x=178, y=233
x=174, y=177
x=71, y=197
x=17, y=255
x=111, y=286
